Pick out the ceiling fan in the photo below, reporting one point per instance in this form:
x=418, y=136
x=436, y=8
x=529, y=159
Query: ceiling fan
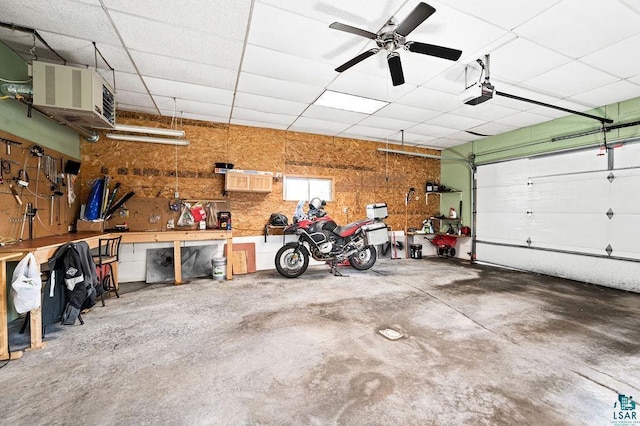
x=393, y=37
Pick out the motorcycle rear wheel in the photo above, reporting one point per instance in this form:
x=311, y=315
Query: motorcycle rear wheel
x=364, y=259
x=292, y=260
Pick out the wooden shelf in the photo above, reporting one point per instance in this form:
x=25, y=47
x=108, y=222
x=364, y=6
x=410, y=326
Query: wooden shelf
x=250, y=172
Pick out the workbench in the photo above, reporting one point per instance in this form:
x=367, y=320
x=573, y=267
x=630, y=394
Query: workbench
x=177, y=237
x=44, y=248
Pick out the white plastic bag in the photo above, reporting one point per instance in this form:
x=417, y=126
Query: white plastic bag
x=26, y=284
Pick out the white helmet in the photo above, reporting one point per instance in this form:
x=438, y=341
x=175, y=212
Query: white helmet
x=315, y=203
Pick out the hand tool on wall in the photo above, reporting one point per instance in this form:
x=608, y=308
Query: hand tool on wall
x=118, y=204
x=9, y=143
x=15, y=194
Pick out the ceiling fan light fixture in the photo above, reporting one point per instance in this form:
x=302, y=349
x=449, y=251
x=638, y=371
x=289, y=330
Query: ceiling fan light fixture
x=348, y=102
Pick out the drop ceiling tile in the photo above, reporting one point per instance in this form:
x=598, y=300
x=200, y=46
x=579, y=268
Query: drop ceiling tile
x=219, y=17
x=187, y=91
x=504, y=13
x=193, y=107
x=192, y=116
x=361, y=84
x=523, y=119
x=585, y=26
x=611, y=93
x=570, y=79
x=632, y=5
x=486, y=111
x=270, y=63
x=58, y=17
x=461, y=137
x=458, y=122
x=430, y=99
x=405, y=112
x=313, y=39
x=445, y=143
x=390, y=125
x=493, y=128
x=264, y=117
x=277, y=88
x=184, y=71
x=635, y=79
x=415, y=138
x=312, y=125
x=615, y=59
x=432, y=131
x=521, y=60
x=454, y=29
x=366, y=132
x=135, y=108
x=365, y=14
x=134, y=98
x=123, y=81
x=266, y=104
x=250, y=123
x=332, y=114
x=169, y=40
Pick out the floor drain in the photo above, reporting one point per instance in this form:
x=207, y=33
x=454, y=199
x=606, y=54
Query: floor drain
x=391, y=333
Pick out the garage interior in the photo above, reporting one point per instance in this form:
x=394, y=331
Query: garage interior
x=512, y=129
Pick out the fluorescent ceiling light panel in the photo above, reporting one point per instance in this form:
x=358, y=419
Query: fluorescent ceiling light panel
x=135, y=138
x=347, y=102
x=149, y=130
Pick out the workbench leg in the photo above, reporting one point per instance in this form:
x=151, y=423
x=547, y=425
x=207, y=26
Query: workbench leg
x=177, y=262
x=4, y=328
x=229, y=256
x=35, y=325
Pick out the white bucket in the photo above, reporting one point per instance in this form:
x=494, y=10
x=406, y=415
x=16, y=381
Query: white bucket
x=219, y=268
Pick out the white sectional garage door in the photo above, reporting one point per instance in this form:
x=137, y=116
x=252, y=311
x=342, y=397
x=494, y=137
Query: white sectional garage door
x=564, y=215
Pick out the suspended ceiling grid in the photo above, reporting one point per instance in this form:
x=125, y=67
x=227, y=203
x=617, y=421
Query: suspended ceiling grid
x=264, y=62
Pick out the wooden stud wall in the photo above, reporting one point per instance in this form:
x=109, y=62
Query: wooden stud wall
x=362, y=175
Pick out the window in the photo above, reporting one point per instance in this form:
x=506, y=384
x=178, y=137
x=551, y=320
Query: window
x=305, y=188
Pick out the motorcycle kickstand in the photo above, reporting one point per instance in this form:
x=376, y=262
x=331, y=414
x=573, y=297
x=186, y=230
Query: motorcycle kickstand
x=334, y=270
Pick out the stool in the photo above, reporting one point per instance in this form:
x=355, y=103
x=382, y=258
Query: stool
x=108, y=255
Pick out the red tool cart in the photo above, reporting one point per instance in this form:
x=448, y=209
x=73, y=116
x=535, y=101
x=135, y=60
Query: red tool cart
x=446, y=244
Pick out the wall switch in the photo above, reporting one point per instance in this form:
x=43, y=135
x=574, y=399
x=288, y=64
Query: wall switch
x=176, y=194
x=345, y=210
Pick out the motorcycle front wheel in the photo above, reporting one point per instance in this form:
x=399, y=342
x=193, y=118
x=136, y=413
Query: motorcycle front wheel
x=364, y=259
x=292, y=260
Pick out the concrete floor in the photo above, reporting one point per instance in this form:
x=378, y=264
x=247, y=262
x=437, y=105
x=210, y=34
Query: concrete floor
x=481, y=346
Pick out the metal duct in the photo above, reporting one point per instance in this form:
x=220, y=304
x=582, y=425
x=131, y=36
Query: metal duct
x=20, y=92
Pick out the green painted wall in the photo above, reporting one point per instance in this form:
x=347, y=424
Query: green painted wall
x=37, y=129
x=534, y=140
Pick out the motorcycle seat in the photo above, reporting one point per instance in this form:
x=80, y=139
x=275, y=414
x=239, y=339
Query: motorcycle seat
x=346, y=230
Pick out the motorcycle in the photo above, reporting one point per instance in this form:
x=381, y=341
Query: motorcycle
x=321, y=238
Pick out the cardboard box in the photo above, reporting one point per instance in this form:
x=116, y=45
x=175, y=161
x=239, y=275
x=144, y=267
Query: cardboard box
x=90, y=226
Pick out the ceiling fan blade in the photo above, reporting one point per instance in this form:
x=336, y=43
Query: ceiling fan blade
x=433, y=50
x=361, y=57
x=353, y=30
x=415, y=18
x=395, y=67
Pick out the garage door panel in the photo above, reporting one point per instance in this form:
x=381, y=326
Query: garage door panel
x=567, y=200
x=574, y=232
x=627, y=156
x=608, y=272
x=506, y=199
x=512, y=229
x=493, y=175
